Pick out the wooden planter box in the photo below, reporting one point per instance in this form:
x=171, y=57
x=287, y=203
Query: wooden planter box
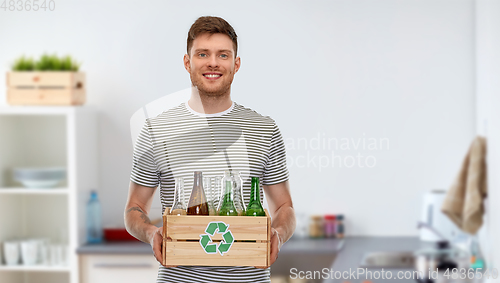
x=187, y=240
x=45, y=88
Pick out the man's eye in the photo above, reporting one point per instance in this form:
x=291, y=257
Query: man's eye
x=202, y=55
x=223, y=55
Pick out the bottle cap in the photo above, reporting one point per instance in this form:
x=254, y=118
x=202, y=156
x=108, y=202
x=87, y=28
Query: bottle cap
x=329, y=217
x=340, y=216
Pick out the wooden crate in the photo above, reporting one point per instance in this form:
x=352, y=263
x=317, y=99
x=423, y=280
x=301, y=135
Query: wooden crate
x=45, y=88
x=182, y=240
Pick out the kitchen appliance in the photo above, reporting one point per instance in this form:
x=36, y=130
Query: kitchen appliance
x=432, y=263
x=433, y=217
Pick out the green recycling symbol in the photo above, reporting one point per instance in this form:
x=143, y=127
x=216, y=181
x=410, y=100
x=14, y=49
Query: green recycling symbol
x=227, y=238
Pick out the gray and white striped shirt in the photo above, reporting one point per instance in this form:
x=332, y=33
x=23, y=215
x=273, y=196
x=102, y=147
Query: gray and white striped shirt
x=180, y=141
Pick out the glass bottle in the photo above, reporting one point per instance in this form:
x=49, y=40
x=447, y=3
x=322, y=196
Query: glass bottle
x=179, y=206
x=226, y=206
x=238, y=193
x=217, y=193
x=208, y=186
x=198, y=201
x=94, y=224
x=254, y=207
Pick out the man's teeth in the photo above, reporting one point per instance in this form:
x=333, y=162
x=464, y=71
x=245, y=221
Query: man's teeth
x=212, y=76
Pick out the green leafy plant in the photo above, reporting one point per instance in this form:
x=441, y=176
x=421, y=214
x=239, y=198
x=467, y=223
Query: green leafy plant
x=46, y=63
x=23, y=64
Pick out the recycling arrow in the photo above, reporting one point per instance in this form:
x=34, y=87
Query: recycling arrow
x=227, y=238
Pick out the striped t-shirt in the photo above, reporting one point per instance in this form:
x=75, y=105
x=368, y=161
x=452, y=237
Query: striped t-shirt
x=180, y=141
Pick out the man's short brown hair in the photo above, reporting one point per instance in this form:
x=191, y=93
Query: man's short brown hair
x=211, y=25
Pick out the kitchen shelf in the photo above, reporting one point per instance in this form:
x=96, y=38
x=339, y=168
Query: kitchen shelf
x=35, y=268
x=40, y=136
x=31, y=191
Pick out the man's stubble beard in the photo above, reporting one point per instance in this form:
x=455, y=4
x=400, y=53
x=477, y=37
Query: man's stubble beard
x=221, y=92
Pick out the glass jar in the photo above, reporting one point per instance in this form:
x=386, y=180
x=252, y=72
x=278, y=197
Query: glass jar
x=316, y=226
x=329, y=225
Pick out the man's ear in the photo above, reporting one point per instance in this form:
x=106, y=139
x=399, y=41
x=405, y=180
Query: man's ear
x=187, y=63
x=237, y=63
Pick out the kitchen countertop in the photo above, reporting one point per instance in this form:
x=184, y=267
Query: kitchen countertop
x=345, y=253
x=355, y=248
x=306, y=246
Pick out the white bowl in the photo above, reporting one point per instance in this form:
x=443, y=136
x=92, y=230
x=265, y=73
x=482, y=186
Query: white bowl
x=44, y=177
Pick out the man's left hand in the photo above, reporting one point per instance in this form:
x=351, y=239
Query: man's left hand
x=276, y=244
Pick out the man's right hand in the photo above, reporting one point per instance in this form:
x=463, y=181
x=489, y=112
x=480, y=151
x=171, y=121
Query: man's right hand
x=137, y=221
x=157, y=244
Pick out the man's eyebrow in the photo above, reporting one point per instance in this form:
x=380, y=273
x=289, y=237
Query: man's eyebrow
x=201, y=50
x=221, y=50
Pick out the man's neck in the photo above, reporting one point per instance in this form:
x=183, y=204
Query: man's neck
x=209, y=104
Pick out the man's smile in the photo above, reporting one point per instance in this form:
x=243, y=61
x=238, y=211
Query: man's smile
x=212, y=76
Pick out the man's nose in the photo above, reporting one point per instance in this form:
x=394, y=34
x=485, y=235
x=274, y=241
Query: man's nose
x=213, y=62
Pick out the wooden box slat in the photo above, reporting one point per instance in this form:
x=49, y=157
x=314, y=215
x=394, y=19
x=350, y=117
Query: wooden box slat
x=46, y=79
x=242, y=227
x=39, y=96
x=240, y=254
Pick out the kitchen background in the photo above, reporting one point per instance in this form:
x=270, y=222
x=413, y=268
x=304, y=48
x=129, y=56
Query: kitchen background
x=378, y=101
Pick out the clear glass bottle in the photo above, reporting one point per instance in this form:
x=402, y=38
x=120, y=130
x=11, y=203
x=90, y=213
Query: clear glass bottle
x=239, y=203
x=226, y=205
x=208, y=186
x=94, y=224
x=254, y=207
x=198, y=201
x=217, y=192
x=179, y=206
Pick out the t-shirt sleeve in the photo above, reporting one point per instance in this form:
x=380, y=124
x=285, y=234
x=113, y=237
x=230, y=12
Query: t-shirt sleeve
x=144, y=168
x=276, y=170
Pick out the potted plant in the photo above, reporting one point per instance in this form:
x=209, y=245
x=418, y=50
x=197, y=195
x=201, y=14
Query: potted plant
x=51, y=80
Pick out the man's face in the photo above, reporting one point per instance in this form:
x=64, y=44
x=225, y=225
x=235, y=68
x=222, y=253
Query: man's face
x=211, y=64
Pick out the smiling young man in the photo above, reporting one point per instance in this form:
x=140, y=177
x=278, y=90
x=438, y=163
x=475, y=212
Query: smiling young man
x=209, y=133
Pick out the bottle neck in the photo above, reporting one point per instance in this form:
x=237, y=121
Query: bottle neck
x=179, y=191
x=197, y=179
x=255, y=190
x=228, y=192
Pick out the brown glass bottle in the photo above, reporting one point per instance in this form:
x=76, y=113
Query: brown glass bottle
x=198, y=204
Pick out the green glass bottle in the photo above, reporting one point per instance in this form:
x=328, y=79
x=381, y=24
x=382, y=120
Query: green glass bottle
x=254, y=207
x=227, y=208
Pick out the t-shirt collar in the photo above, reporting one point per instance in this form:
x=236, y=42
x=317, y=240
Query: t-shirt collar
x=209, y=115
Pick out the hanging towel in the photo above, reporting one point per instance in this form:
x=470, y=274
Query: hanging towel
x=463, y=203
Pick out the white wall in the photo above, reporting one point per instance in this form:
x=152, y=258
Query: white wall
x=400, y=71
x=488, y=116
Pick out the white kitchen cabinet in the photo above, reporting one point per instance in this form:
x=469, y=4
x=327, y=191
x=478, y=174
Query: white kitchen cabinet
x=118, y=268
x=46, y=137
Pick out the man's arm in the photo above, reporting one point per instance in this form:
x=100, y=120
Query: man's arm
x=136, y=217
x=283, y=215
